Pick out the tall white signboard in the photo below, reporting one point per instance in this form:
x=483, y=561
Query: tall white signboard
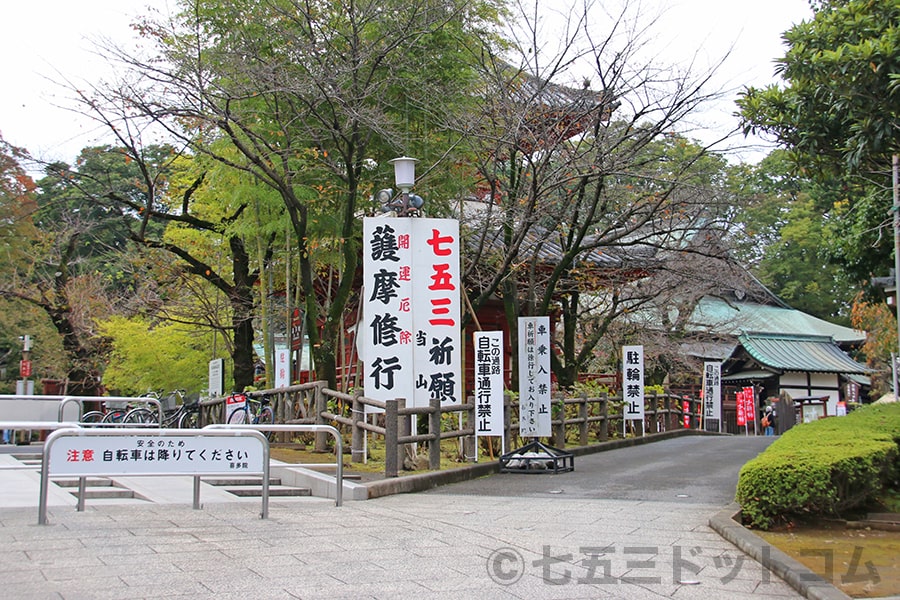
x=282, y=368
x=712, y=394
x=216, y=379
x=410, y=328
x=534, y=377
x=633, y=382
x=488, y=383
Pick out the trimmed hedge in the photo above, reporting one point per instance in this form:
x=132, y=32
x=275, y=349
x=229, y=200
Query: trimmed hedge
x=823, y=468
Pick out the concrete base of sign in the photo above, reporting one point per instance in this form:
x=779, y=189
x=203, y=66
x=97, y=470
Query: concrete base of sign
x=536, y=457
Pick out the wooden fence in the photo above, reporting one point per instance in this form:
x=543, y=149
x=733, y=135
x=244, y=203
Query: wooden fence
x=576, y=421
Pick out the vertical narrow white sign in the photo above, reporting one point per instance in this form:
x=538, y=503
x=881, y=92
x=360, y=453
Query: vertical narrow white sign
x=386, y=328
x=633, y=382
x=712, y=393
x=410, y=326
x=534, y=377
x=437, y=353
x=488, y=383
x=282, y=368
x=216, y=380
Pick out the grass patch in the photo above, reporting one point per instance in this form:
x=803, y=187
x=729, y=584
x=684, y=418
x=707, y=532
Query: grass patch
x=300, y=452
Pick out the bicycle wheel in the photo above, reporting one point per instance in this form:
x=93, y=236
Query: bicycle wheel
x=140, y=415
x=189, y=420
x=92, y=416
x=238, y=417
x=266, y=417
x=116, y=415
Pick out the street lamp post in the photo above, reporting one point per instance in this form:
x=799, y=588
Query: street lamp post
x=405, y=178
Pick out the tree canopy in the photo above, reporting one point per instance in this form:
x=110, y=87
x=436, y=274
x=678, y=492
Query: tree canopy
x=837, y=115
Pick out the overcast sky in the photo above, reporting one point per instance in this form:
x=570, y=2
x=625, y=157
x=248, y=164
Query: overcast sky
x=43, y=41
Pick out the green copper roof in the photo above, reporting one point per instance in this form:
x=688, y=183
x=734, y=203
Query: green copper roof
x=789, y=352
x=733, y=318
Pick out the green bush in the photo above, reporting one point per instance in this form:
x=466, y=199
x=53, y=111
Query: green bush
x=823, y=468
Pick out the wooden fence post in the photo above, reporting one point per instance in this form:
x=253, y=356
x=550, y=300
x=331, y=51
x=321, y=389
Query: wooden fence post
x=583, y=416
x=321, y=444
x=651, y=415
x=604, y=414
x=404, y=429
x=434, y=428
x=391, y=468
x=357, y=435
x=559, y=430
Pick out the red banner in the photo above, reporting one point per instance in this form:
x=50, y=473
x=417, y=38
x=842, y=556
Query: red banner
x=741, y=417
x=749, y=408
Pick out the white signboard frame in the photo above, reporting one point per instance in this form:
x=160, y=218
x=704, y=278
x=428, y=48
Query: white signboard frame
x=83, y=456
x=410, y=327
x=282, y=368
x=216, y=380
x=534, y=377
x=712, y=392
x=489, y=361
x=633, y=382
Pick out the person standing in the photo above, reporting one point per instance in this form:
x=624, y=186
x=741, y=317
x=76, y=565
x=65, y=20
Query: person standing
x=768, y=420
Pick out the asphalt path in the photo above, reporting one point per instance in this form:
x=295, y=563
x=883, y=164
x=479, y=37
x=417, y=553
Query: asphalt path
x=689, y=469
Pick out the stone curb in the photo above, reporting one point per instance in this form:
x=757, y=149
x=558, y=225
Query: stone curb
x=426, y=481
x=727, y=524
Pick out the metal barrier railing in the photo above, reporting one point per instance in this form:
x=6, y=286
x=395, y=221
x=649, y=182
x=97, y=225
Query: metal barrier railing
x=338, y=446
x=35, y=425
x=64, y=402
x=84, y=445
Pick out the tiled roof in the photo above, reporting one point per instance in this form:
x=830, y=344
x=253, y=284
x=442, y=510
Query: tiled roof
x=805, y=353
x=733, y=318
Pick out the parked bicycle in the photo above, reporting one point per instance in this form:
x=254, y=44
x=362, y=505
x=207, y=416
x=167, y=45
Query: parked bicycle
x=177, y=412
x=244, y=409
x=113, y=412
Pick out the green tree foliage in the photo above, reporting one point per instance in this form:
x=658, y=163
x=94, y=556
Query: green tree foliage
x=314, y=97
x=837, y=114
x=77, y=200
x=17, y=203
x=842, y=98
x=49, y=270
x=160, y=357
x=782, y=238
x=17, y=234
x=581, y=183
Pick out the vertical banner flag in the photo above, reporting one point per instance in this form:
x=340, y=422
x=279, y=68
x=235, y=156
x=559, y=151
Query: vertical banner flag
x=488, y=383
x=712, y=392
x=749, y=404
x=633, y=382
x=534, y=377
x=739, y=407
x=410, y=327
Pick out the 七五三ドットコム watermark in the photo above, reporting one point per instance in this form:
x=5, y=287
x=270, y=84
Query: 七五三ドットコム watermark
x=643, y=565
